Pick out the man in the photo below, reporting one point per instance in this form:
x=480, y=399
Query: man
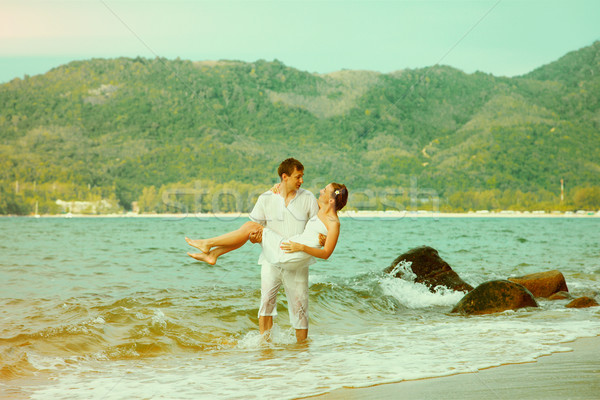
x=286, y=213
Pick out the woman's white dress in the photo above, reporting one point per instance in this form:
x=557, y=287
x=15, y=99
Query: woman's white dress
x=271, y=243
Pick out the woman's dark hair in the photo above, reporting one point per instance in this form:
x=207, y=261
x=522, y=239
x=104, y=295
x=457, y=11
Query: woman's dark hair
x=340, y=195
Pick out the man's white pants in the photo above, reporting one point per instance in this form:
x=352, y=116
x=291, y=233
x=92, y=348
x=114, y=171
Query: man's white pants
x=294, y=277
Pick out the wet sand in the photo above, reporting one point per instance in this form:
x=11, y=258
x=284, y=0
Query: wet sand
x=570, y=375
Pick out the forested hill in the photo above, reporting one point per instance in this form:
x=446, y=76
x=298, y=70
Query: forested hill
x=132, y=129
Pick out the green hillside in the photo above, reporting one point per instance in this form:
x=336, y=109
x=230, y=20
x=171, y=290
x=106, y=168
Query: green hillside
x=177, y=135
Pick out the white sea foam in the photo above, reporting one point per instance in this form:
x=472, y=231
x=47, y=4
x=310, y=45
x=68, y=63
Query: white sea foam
x=385, y=354
x=318, y=278
x=253, y=340
x=41, y=362
x=417, y=295
x=99, y=321
x=159, y=319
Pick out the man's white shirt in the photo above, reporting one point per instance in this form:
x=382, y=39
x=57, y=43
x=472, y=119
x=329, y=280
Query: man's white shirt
x=270, y=211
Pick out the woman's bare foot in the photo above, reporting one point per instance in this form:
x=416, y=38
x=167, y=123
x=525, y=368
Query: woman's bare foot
x=200, y=244
x=207, y=258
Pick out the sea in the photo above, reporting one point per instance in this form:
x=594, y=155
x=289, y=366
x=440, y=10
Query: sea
x=113, y=308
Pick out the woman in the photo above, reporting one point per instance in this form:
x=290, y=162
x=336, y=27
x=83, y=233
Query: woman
x=299, y=247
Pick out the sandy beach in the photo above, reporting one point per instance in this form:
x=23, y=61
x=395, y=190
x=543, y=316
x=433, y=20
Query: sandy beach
x=569, y=375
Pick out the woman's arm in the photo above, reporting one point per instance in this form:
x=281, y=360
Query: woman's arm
x=332, y=237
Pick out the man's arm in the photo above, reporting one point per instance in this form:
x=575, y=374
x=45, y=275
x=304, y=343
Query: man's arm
x=322, y=239
x=256, y=236
x=258, y=215
x=258, y=212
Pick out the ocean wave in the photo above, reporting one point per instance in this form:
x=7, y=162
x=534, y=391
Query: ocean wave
x=381, y=292
x=14, y=363
x=366, y=329
x=169, y=322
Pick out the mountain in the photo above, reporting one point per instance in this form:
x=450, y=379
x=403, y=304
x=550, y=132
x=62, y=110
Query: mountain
x=171, y=134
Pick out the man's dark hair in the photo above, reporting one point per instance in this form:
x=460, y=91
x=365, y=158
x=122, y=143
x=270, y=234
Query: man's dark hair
x=288, y=166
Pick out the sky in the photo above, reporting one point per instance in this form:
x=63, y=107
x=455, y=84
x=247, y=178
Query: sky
x=501, y=37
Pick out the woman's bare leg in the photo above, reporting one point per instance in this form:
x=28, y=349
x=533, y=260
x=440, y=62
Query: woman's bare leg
x=239, y=236
x=211, y=257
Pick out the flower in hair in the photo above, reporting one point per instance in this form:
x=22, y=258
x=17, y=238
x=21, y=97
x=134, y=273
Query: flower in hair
x=337, y=192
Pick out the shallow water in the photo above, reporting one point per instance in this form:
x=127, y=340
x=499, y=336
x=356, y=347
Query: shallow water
x=113, y=308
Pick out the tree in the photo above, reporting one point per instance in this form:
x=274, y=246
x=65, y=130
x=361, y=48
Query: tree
x=587, y=198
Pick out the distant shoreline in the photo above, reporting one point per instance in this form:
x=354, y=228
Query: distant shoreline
x=347, y=214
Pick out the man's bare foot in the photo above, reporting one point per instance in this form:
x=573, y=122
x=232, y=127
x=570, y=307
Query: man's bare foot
x=207, y=258
x=200, y=244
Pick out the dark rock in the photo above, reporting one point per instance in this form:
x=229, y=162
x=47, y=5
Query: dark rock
x=430, y=269
x=495, y=296
x=560, y=296
x=543, y=284
x=582, y=302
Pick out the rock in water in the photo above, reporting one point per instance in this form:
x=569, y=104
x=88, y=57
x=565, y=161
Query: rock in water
x=495, y=296
x=543, y=284
x=430, y=269
x=582, y=302
x=560, y=296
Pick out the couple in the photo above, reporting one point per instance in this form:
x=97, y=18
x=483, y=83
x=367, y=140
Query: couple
x=289, y=223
